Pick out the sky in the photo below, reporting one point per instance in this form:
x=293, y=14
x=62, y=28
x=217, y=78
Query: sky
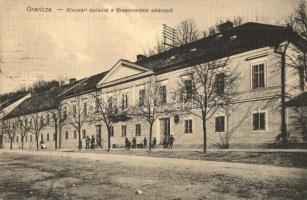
x=62, y=45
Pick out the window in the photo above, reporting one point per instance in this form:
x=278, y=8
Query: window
x=17, y=138
x=84, y=108
x=220, y=124
x=259, y=121
x=30, y=122
x=42, y=120
x=188, y=90
x=74, y=108
x=188, y=126
x=220, y=83
x=112, y=131
x=162, y=94
x=42, y=137
x=141, y=97
x=138, y=130
x=97, y=105
x=75, y=134
x=83, y=134
x=26, y=138
x=48, y=137
x=110, y=103
x=66, y=135
x=124, y=101
x=65, y=113
x=31, y=139
x=301, y=72
x=124, y=130
x=48, y=118
x=258, y=76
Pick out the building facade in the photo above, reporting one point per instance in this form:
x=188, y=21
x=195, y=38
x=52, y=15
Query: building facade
x=252, y=121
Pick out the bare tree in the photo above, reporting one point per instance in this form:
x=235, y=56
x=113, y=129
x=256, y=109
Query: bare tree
x=156, y=49
x=152, y=103
x=24, y=127
x=58, y=117
x=298, y=19
x=10, y=129
x=38, y=124
x=206, y=87
x=187, y=32
x=78, y=115
x=107, y=111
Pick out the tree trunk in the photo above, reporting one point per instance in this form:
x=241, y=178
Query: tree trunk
x=56, y=137
x=60, y=137
x=109, y=138
x=37, y=147
x=22, y=137
x=283, y=96
x=205, y=135
x=150, y=136
x=80, y=141
x=11, y=145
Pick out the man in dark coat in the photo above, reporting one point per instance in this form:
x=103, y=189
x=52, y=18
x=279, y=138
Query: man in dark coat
x=145, y=142
x=87, y=142
x=92, y=142
x=134, y=143
x=171, y=141
x=154, y=143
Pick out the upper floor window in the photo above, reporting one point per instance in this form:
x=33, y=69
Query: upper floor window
x=162, y=94
x=124, y=101
x=259, y=121
x=220, y=83
x=74, y=108
x=258, y=76
x=220, y=124
x=83, y=133
x=65, y=113
x=85, y=108
x=97, y=105
x=48, y=118
x=110, y=103
x=301, y=72
x=188, y=90
x=42, y=120
x=141, y=97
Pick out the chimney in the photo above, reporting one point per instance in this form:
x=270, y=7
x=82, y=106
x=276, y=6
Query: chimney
x=72, y=80
x=140, y=57
x=225, y=26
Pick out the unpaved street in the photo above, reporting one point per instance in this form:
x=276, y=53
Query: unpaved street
x=59, y=175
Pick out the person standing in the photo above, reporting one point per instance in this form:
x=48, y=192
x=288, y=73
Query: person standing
x=92, y=142
x=154, y=143
x=134, y=143
x=171, y=142
x=87, y=142
x=145, y=143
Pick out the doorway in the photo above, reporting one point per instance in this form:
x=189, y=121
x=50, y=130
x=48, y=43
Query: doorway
x=164, y=129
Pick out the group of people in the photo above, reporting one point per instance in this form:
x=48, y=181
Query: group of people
x=168, y=141
x=144, y=143
x=91, y=141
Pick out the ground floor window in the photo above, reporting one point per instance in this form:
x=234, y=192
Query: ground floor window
x=16, y=138
x=83, y=134
x=26, y=138
x=138, y=130
x=66, y=135
x=75, y=134
x=220, y=124
x=124, y=130
x=48, y=137
x=259, y=121
x=188, y=126
x=112, y=131
x=31, y=139
x=42, y=137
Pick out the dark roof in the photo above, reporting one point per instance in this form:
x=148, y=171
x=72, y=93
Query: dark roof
x=84, y=86
x=236, y=40
x=298, y=101
x=36, y=103
x=11, y=100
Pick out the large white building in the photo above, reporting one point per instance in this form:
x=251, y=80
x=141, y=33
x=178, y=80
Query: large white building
x=253, y=121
